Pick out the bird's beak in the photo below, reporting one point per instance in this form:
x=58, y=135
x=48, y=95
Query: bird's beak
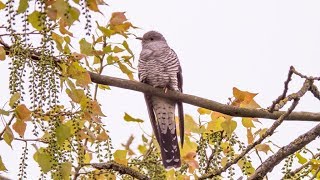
x=140, y=38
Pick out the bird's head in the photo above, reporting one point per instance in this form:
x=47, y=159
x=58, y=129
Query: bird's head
x=152, y=38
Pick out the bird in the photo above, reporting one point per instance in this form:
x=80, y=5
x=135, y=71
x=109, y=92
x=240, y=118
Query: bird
x=159, y=67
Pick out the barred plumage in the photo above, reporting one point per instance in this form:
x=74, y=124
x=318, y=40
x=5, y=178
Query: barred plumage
x=159, y=66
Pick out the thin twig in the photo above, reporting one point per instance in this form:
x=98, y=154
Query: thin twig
x=285, y=151
x=285, y=90
x=269, y=132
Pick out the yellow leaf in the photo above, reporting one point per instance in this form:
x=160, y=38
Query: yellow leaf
x=20, y=127
x=63, y=132
x=66, y=170
x=92, y=4
x=246, y=166
x=263, y=147
x=129, y=118
x=23, y=113
x=8, y=136
x=85, y=47
x=2, y=53
x=120, y=156
x=249, y=136
x=189, y=146
x=170, y=175
x=2, y=5
x=43, y=158
x=104, y=87
x=301, y=159
x=76, y=95
x=14, y=98
x=102, y=136
x=244, y=99
x=117, y=18
x=189, y=158
x=229, y=126
x=224, y=161
x=2, y=166
x=142, y=149
x=87, y=158
x=215, y=125
x=190, y=126
x=34, y=20
x=116, y=49
x=96, y=109
x=203, y=111
x=225, y=147
x=247, y=122
x=215, y=115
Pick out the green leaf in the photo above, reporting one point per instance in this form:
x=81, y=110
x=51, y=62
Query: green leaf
x=2, y=5
x=142, y=149
x=301, y=159
x=14, y=98
x=105, y=31
x=107, y=49
x=34, y=20
x=8, y=136
x=2, y=166
x=85, y=47
x=43, y=159
x=126, y=46
x=129, y=118
x=23, y=6
x=116, y=49
x=63, y=132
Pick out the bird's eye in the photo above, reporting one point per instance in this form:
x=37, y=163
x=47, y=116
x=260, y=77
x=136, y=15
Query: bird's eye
x=151, y=39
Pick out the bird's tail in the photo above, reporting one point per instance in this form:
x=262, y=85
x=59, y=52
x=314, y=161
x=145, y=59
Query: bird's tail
x=170, y=152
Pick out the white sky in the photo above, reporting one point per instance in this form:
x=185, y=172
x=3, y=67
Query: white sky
x=221, y=44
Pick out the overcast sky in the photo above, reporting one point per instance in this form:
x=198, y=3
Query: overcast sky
x=221, y=44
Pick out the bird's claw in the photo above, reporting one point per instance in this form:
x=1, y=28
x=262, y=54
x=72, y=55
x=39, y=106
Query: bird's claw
x=165, y=89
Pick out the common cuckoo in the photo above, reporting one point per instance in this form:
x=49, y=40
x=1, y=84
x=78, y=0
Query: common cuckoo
x=159, y=66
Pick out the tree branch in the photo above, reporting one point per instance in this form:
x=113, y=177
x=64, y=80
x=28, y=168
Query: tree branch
x=201, y=102
x=122, y=169
x=291, y=148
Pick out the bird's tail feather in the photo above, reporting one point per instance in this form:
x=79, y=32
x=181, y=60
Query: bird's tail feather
x=164, y=110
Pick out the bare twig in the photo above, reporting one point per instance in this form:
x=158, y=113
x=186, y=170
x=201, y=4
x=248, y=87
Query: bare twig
x=314, y=90
x=294, y=146
x=285, y=90
x=122, y=169
x=306, y=86
x=269, y=132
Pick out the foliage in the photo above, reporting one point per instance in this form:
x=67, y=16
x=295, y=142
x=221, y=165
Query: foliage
x=73, y=134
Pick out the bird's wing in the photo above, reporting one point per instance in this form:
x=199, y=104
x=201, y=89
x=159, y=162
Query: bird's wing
x=151, y=112
x=180, y=107
x=152, y=116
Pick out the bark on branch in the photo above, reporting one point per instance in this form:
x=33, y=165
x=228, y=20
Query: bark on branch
x=201, y=102
x=122, y=169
